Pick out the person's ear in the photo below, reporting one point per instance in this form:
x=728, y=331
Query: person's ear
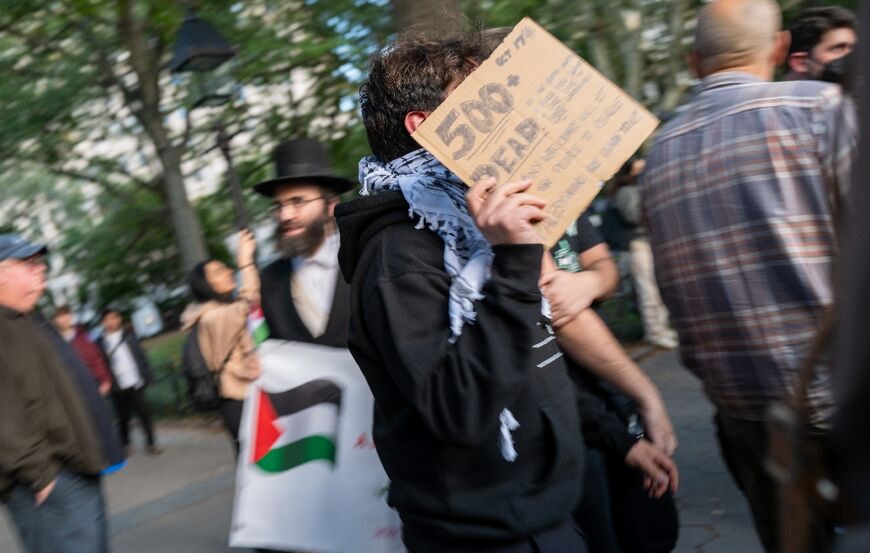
x=780, y=48
x=330, y=205
x=799, y=62
x=693, y=60
x=414, y=119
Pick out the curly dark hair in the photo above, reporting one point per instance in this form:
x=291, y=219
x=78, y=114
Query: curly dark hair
x=413, y=74
x=810, y=25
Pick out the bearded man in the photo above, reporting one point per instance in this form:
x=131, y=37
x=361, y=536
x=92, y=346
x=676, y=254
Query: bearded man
x=303, y=299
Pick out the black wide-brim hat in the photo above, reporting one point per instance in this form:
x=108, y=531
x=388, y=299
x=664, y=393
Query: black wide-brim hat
x=302, y=161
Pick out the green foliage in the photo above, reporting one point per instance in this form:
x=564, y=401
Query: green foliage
x=167, y=395
x=77, y=150
x=72, y=100
x=165, y=349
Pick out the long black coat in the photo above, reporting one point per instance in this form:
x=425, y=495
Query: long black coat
x=281, y=315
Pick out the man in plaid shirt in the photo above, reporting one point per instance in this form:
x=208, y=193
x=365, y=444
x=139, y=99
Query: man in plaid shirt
x=738, y=193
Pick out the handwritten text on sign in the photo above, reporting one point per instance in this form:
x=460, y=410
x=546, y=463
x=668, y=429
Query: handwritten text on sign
x=536, y=110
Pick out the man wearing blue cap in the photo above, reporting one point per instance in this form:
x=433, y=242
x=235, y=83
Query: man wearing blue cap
x=51, y=453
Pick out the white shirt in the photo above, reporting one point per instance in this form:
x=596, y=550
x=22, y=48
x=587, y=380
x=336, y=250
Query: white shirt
x=316, y=275
x=122, y=362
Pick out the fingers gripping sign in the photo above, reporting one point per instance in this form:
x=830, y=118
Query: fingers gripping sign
x=506, y=213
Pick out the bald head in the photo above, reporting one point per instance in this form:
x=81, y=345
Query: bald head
x=737, y=33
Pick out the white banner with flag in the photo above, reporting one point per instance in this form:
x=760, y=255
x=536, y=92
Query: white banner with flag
x=309, y=478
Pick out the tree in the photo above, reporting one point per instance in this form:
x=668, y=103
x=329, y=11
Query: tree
x=86, y=106
x=97, y=140
x=86, y=97
x=437, y=16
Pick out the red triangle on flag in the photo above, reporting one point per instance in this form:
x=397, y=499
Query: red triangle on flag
x=266, y=432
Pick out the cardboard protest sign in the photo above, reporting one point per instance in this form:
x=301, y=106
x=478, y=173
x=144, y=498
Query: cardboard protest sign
x=536, y=110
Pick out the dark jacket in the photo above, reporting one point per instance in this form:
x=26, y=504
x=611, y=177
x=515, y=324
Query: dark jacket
x=44, y=422
x=101, y=417
x=436, y=425
x=138, y=356
x=280, y=312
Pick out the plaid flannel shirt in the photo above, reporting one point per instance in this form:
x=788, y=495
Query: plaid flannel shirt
x=738, y=194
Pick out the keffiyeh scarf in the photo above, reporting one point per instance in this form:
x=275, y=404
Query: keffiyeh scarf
x=437, y=196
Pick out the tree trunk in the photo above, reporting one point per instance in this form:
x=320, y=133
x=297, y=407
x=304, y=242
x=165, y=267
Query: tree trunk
x=674, y=89
x=598, y=42
x=144, y=59
x=632, y=57
x=185, y=223
x=438, y=16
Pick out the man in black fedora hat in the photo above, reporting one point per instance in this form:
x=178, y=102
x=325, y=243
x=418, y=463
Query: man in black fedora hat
x=302, y=297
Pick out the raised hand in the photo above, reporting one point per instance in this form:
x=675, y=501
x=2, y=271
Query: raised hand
x=505, y=213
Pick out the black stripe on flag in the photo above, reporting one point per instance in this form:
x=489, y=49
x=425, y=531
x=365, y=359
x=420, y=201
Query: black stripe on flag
x=302, y=397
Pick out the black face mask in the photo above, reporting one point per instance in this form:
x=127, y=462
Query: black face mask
x=841, y=71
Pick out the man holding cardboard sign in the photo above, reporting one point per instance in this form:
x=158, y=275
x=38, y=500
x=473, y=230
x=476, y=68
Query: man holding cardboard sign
x=476, y=422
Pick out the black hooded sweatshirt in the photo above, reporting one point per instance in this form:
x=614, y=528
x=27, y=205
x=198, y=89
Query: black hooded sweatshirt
x=436, y=421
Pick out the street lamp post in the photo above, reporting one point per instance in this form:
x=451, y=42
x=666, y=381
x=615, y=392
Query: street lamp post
x=232, y=177
x=200, y=50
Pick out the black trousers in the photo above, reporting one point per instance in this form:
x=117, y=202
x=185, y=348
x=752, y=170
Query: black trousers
x=744, y=445
x=617, y=515
x=231, y=413
x=127, y=403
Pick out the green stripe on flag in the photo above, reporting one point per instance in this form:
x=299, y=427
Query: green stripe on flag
x=310, y=448
x=260, y=333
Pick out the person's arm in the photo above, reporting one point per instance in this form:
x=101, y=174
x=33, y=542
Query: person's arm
x=140, y=357
x=588, y=341
x=25, y=454
x=95, y=361
x=603, y=429
x=570, y=293
x=659, y=471
x=249, y=286
x=598, y=260
x=459, y=389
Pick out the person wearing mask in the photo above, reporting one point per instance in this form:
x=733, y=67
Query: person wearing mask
x=822, y=41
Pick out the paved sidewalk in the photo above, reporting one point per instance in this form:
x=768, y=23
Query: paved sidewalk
x=714, y=517
x=181, y=501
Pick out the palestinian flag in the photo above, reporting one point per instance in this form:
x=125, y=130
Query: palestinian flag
x=257, y=325
x=297, y=426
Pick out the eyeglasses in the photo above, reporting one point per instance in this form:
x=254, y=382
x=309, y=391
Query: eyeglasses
x=295, y=203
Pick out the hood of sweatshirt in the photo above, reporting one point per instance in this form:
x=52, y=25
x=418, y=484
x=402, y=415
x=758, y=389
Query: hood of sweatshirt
x=360, y=220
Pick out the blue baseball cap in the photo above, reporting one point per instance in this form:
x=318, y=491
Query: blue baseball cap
x=13, y=246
